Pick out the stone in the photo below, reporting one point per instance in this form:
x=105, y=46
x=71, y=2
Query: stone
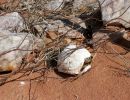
x=14, y=46
x=12, y=22
x=74, y=60
x=54, y=5
x=116, y=11
x=81, y=6
x=54, y=25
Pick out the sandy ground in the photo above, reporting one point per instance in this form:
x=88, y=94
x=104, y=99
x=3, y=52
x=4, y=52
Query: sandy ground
x=105, y=81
